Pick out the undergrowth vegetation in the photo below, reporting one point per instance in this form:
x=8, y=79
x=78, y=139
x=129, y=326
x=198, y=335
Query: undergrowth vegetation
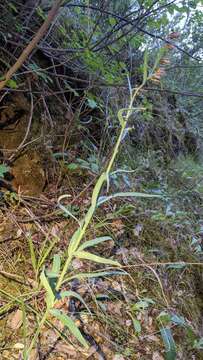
x=101, y=176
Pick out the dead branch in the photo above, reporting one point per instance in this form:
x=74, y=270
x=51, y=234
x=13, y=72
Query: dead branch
x=29, y=48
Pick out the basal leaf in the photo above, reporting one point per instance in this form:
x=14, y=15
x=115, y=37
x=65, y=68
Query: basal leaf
x=169, y=343
x=50, y=297
x=137, y=325
x=67, y=321
x=3, y=169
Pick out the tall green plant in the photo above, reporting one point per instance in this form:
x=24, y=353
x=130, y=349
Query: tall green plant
x=53, y=280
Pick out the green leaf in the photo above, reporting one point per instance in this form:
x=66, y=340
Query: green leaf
x=92, y=104
x=73, y=242
x=12, y=84
x=67, y=321
x=3, y=169
x=112, y=21
x=94, y=242
x=103, y=199
x=97, y=188
x=169, y=343
x=164, y=318
x=137, y=325
x=73, y=166
x=178, y=320
x=50, y=297
x=179, y=265
x=95, y=258
x=60, y=155
x=121, y=118
x=66, y=209
x=56, y=264
x=198, y=344
x=12, y=7
x=142, y=304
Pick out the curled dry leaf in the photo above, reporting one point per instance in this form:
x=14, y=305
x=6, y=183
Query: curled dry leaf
x=165, y=61
x=118, y=226
x=114, y=308
x=174, y=35
x=169, y=46
x=15, y=320
x=77, y=264
x=67, y=349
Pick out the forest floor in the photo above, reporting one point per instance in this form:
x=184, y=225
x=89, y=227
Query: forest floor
x=159, y=296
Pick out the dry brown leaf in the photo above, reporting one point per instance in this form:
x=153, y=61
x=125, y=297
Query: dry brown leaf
x=114, y=308
x=118, y=357
x=118, y=226
x=157, y=356
x=66, y=349
x=153, y=338
x=77, y=264
x=15, y=320
x=18, y=346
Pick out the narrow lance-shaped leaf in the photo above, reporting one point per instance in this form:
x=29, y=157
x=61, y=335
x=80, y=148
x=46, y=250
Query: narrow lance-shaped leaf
x=73, y=242
x=168, y=343
x=103, y=199
x=94, y=242
x=121, y=118
x=95, y=274
x=67, y=321
x=97, y=189
x=50, y=297
x=56, y=264
x=88, y=256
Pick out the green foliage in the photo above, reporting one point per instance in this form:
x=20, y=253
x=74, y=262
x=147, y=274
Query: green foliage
x=198, y=344
x=92, y=164
x=103, y=49
x=169, y=343
x=12, y=84
x=3, y=170
x=69, y=323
